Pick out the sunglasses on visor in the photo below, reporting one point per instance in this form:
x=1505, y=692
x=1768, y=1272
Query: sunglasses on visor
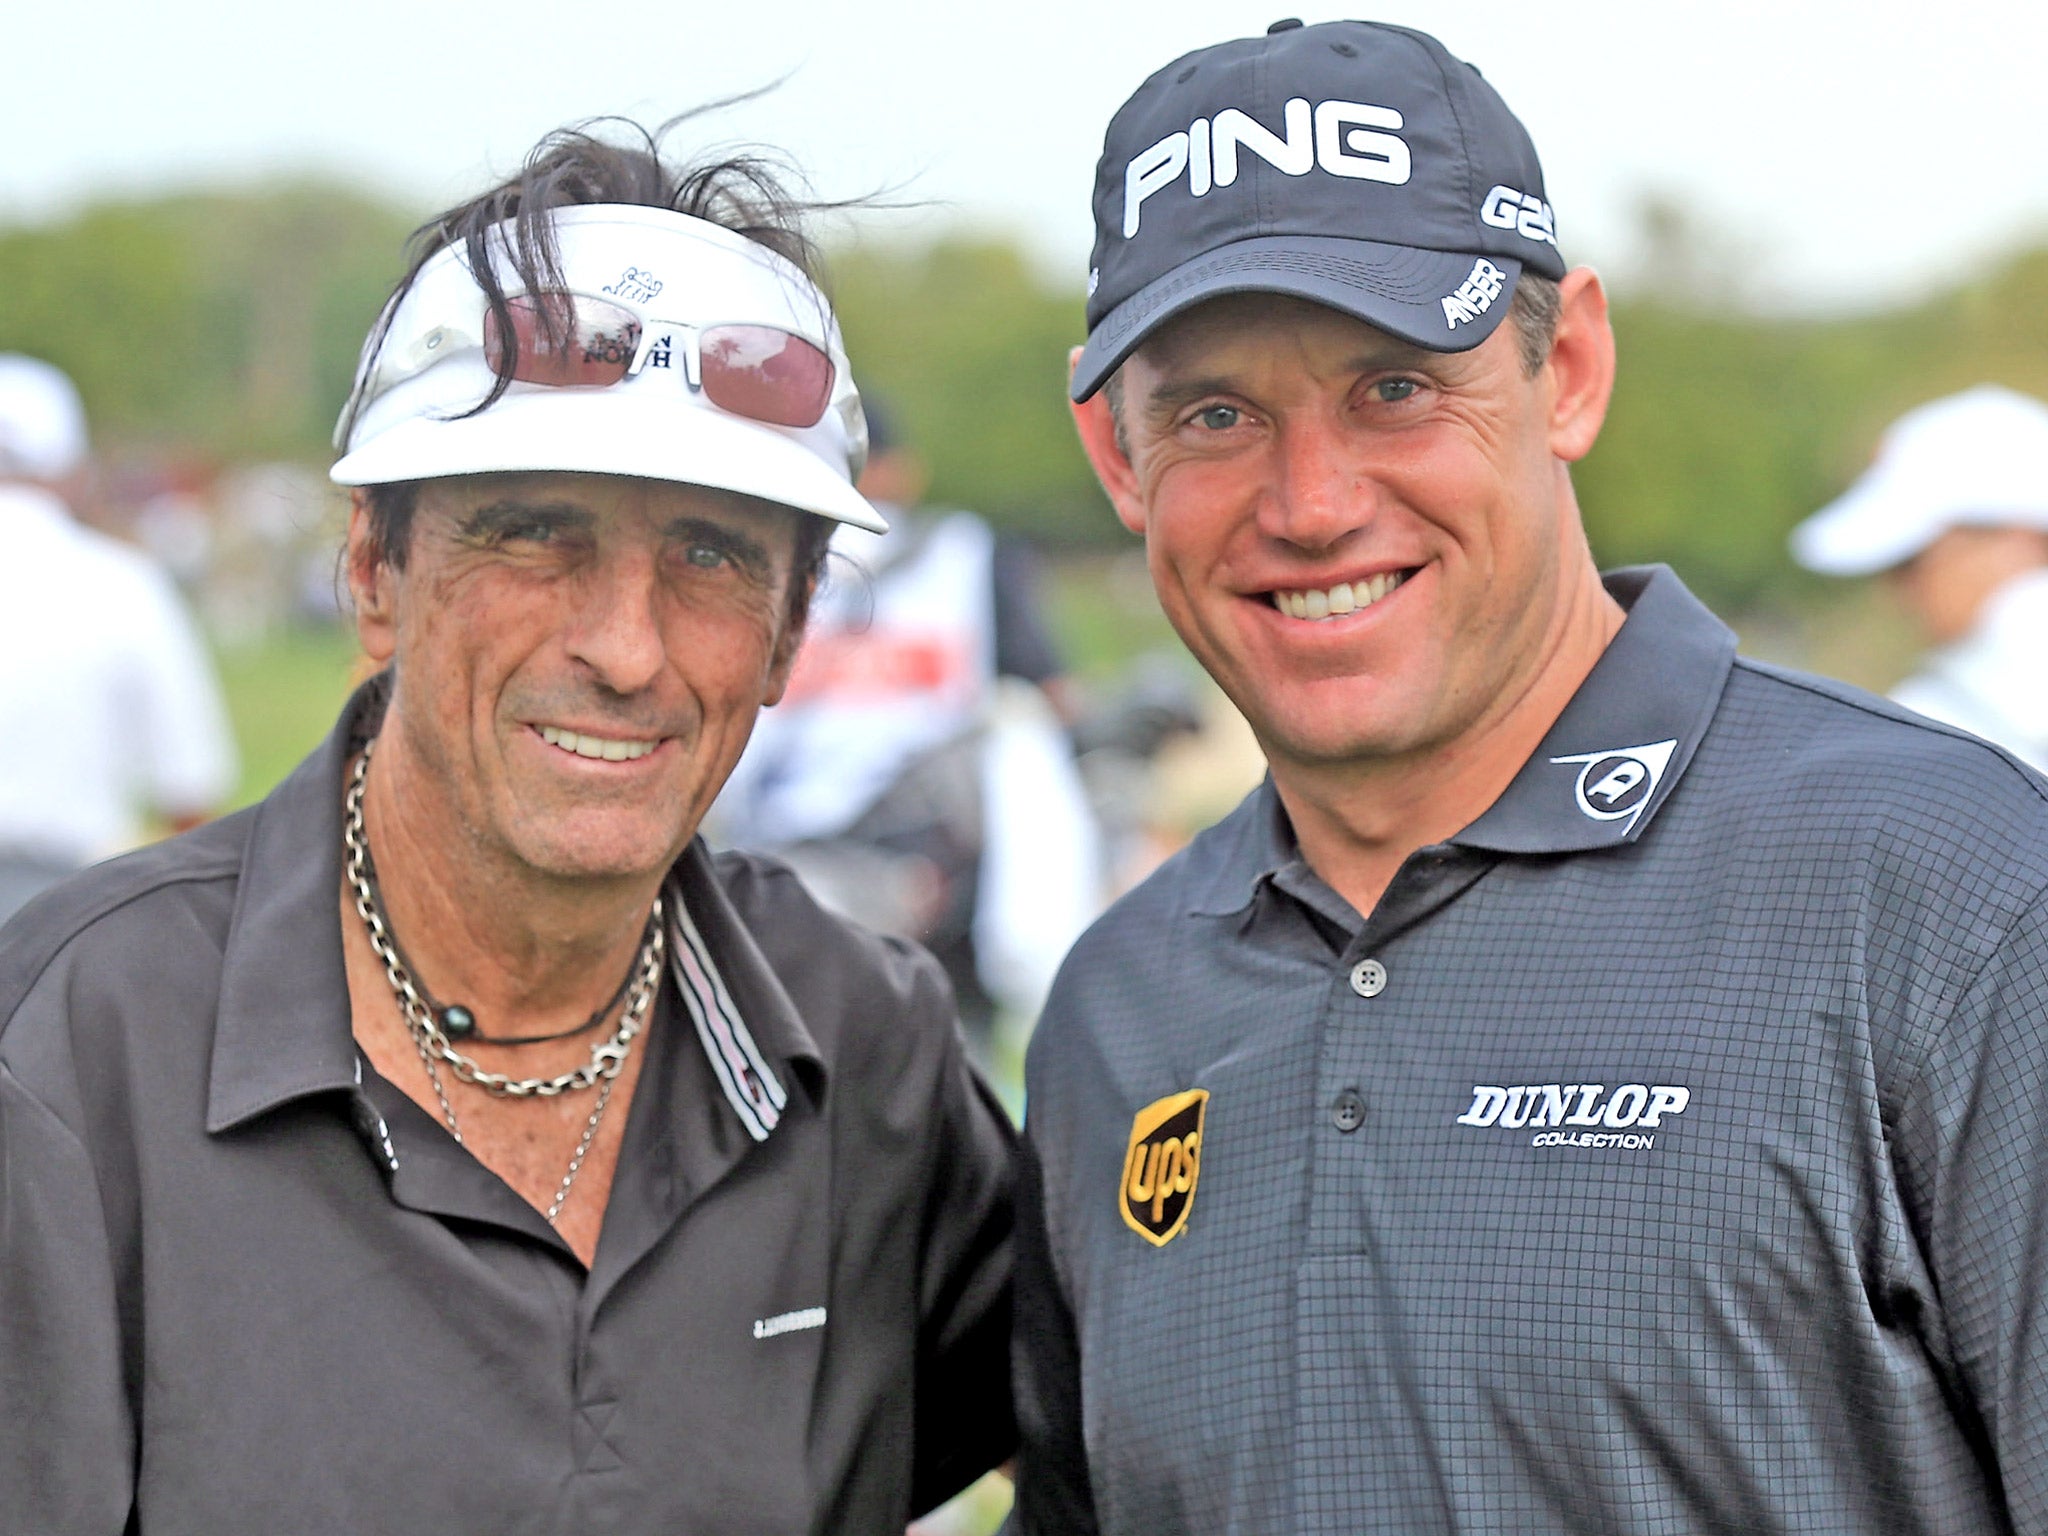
x=573, y=340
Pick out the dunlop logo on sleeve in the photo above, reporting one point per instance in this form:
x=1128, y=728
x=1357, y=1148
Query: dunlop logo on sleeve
x=1162, y=1165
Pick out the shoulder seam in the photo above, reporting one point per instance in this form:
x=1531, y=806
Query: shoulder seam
x=1793, y=679
x=1939, y=1032
x=12, y=998
x=30, y=1096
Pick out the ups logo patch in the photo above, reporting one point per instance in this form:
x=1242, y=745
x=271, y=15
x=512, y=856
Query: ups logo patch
x=1161, y=1166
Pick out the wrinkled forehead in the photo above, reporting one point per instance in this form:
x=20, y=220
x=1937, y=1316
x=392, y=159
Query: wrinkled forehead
x=1238, y=328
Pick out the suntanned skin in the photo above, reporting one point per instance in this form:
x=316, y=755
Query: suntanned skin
x=518, y=876
x=1276, y=445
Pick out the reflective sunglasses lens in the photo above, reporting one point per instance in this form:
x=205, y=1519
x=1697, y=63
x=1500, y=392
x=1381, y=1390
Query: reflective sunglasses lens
x=765, y=374
x=564, y=340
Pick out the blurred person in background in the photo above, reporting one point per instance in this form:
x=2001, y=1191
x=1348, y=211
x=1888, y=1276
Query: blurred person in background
x=451, y=1142
x=108, y=700
x=917, y=773
x=1953, y=515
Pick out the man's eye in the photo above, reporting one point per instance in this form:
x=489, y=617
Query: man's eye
x=706, y=556
x=1218, y=418
x=524, y=531
x=1390, y=391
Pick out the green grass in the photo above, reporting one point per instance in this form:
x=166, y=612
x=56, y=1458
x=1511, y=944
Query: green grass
x=283, y=695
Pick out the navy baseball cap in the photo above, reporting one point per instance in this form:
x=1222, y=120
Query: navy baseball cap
x=1351, y=163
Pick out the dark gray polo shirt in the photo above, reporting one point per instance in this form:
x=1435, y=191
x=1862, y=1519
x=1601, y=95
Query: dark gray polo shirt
x=1667, y=1152
x=247, y=1286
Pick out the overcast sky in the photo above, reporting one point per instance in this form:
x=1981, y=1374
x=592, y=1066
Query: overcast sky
x=1856, y=150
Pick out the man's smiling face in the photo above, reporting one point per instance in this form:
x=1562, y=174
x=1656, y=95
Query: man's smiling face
x=1367, y=544
x=580, y=660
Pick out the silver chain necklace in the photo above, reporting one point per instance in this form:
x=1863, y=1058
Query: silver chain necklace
x=606, y=1059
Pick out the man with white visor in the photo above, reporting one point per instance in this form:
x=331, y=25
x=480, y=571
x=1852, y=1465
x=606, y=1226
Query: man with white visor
x=1953, y=514
x=449, y=1142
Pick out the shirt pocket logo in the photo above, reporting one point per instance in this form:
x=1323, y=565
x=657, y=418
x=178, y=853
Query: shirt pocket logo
x=1161, y=1166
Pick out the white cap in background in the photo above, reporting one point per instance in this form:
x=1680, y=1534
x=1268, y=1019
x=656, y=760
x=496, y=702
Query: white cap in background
x=1977, y=459
x=42, y=422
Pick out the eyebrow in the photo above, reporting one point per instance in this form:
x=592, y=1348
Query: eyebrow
x=498, y=516
x=1165, y=399
x=742, y=546
x=1170, y=395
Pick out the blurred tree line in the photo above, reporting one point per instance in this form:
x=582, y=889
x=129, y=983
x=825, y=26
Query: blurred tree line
x=222, y=324
x=226, y=324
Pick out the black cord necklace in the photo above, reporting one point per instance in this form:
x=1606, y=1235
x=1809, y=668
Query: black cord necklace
x=459, y=1022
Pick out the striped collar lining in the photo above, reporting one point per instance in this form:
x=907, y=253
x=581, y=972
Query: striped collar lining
x=750, y=1084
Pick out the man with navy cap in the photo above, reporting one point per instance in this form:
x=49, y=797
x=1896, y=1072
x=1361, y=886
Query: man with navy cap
x=1595, y=1082
x=450, y=1143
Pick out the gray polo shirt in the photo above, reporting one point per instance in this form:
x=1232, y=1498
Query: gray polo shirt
x=247, y=1286
x=1667, y=1152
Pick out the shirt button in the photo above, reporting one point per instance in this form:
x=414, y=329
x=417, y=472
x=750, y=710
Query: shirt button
x=1348, y=1113
x=1368, y=978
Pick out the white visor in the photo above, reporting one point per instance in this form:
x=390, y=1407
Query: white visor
x=676, y=274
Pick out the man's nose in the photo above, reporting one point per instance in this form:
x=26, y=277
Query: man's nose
x=615, y=630
x=1319, y=491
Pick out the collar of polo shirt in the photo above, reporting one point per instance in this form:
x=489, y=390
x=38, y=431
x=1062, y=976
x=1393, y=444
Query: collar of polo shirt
x=1605, y=769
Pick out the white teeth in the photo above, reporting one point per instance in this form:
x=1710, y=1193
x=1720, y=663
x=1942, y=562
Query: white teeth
x=595, y=746
x=1345, y=597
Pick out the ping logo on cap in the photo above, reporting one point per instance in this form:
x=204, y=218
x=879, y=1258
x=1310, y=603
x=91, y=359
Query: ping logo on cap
x=1345, y=138
x=1162, y=1165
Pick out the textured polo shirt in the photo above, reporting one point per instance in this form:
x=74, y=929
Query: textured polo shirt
x=1666, y=1152
x=248, y=1286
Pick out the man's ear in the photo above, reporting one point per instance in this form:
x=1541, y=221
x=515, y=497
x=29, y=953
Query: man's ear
x=1581, y=365
x=1100, y=440
x=371, y=583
